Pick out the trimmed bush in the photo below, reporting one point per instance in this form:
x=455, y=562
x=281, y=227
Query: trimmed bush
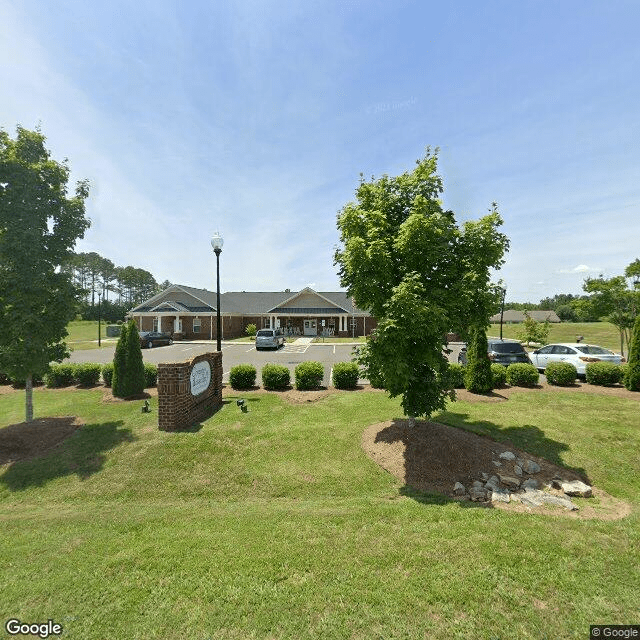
x=242, y=376
x=309, y=375
x=119, y=364
x=477, y=375
x=21, y=383
x=631, y=374
x=561, y=374
x=498, y=375
x=87, y=374
x=345, y=375
x=128, y=372
x=59, y=375
x=520, y=374
x=455, y=374
x=150, y=375
x=251, y=330
x=107, y=374
x=603, y=374
x=275, y=377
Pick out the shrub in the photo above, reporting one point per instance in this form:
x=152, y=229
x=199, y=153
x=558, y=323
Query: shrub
x=345, y=375
x=150, y=375
x=107, y=373
x=275, y=377
x=87, y=374
x=498, y=375
x=561, y=374
x=4, y=378
x=632, y=370
x=242, y=376
x=59, y=375
x=455, y=374
x=477, y=376
x=520, y=374
x=21, y=383
x=119, y=364
x=251, y=331
x=128, y=372
x=309, y=375
x=603, y=373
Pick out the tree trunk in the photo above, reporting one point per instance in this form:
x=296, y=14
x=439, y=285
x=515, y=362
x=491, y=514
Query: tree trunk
x=29, y=399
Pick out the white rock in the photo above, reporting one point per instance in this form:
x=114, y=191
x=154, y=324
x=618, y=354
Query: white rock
x=560, y=501
x=576, y=488
x=507, y=455
x=496, y=463
x=500, y=495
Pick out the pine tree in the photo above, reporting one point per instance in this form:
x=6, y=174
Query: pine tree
x=632, y=379
x=477, y=377
x=119, y=364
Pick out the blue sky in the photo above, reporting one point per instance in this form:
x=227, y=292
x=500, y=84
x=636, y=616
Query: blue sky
x=256, y=119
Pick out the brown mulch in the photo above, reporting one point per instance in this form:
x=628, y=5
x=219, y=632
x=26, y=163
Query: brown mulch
x=432, y=457
x=32, y=439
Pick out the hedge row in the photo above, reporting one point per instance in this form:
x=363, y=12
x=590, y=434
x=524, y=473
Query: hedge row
x=308, y=375
x=88, y=374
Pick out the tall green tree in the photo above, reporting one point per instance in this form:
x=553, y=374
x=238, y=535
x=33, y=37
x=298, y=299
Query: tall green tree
x=477, y=375
x=39, y=226
x=632, y=377
x=120, y=364
x=406, y=260
x=617, y=300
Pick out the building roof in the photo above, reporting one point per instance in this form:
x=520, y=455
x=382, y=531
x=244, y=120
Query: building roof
x=190, y=299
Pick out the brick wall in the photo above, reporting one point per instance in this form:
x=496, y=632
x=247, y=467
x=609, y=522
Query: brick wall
x=178, y=408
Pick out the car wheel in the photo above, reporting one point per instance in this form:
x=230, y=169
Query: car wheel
x=149, y=345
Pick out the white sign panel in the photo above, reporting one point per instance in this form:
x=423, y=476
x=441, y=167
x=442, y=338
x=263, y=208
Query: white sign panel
x=200, y=377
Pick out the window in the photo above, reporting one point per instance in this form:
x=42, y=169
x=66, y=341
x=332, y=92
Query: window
x=197, y=325
x=155, y=324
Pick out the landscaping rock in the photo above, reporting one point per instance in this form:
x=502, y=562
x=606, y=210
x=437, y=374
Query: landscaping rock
x=484, y=476
x=507, y=455
x=500, y=495
x=559, y=501
x=496, y=463
x=492, y=483
x=510, y=481
x=477, y=494
x=530, y=483
x=531, y=467
x=517, y=470
x=532, y=498
x=576, y=488
x=459, y=489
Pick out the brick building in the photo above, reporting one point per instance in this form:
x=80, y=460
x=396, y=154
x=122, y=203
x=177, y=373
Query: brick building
x=190, y=313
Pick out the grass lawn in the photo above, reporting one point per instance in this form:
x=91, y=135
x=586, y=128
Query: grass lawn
x=275, y=524
x=83, y=334
x=600, y=333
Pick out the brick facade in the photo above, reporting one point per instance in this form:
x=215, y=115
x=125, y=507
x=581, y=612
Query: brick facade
x=178, y=408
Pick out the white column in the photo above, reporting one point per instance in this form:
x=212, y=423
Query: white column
x=159, y=322
x=211, y=327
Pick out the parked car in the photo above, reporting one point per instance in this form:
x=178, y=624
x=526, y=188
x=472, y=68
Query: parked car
x=269, y=339
x=504, y=352
x=577, y=353
x=152, y=339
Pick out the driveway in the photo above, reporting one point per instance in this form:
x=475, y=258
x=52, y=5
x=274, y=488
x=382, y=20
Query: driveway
x=233, y=353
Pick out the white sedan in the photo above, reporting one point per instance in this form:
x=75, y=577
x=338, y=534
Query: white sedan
x=577, y=353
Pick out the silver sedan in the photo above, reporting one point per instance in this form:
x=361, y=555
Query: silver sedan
x=576, y=353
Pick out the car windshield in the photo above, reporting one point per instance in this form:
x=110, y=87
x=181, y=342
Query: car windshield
x=587, y=348
x=265, y=333
x=506, y=347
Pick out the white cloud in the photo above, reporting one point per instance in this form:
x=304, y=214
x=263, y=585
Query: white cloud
x=581, y=268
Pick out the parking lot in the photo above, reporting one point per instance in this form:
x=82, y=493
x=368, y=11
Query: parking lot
x=233, y=353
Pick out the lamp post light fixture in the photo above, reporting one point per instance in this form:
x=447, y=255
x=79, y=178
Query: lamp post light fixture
x=504, y=295
x=216, y=243
x=99, y=323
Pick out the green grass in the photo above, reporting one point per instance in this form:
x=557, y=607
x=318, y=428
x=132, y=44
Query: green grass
x=274, y=524
x=83, y=334
x=600, y=333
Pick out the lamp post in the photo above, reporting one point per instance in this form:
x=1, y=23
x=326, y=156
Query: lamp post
x=99, y=331
x=504, y=295
x=216, y=243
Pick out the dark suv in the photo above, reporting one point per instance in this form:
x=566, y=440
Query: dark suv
x=503, y=352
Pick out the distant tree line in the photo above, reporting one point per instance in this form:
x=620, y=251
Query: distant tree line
x=120, y=288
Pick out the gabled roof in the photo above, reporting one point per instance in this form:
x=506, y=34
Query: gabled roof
x=246, y=302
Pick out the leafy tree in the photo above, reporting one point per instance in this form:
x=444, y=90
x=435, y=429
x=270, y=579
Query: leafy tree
x=404, y=258
x=39, y=225
x=614, y=300
x=534, y=331
x=477, y=376
x=632, y=376
x=566, y=313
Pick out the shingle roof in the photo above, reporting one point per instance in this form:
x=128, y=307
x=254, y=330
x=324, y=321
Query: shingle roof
x=248, y=302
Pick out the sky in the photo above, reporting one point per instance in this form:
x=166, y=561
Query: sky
x=256, y=118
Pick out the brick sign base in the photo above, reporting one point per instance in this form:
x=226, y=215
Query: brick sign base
x=184, y=398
